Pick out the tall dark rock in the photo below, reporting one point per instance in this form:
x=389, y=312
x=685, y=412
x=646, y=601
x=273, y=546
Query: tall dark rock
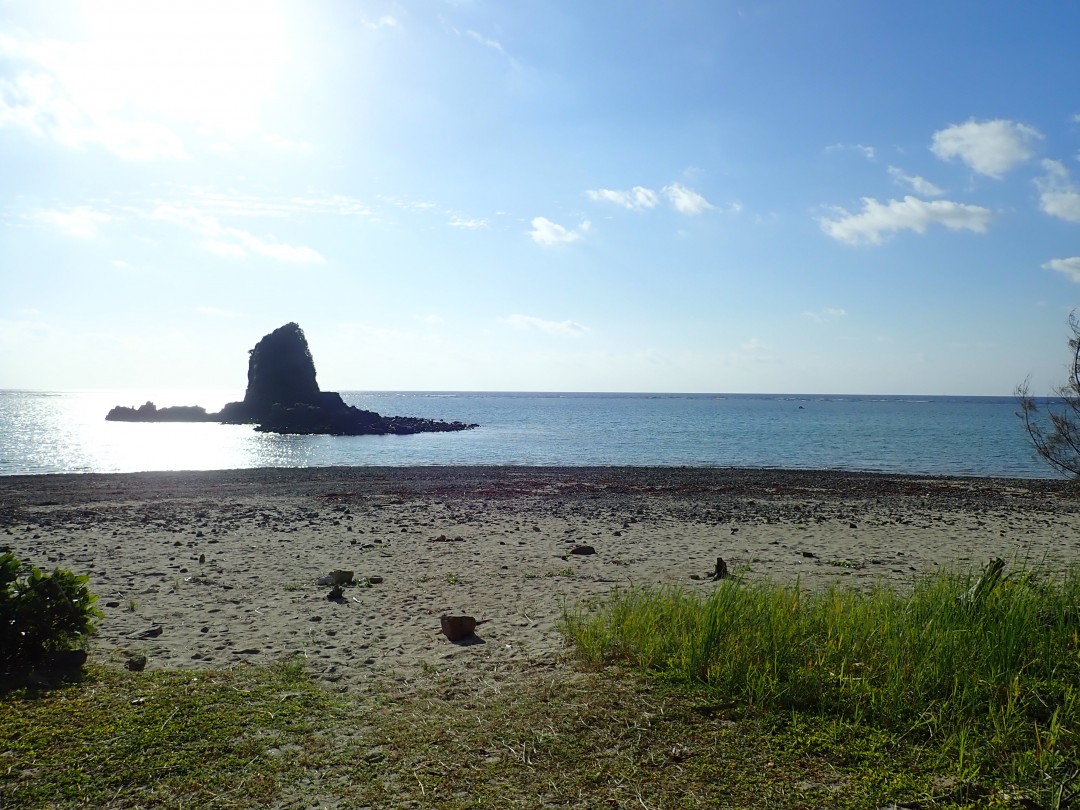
x=283, y=396
x=280, y=371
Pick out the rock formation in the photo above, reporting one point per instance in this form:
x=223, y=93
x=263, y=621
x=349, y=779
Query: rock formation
x=283, y=396
x=281, y=371
x=152, y=413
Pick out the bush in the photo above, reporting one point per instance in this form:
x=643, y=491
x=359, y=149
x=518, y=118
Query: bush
x=40, y=614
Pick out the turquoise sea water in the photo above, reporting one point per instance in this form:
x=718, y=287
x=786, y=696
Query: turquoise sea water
x=61, y=432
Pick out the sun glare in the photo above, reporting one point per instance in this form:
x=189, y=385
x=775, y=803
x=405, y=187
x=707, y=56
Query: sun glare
x=209, y=63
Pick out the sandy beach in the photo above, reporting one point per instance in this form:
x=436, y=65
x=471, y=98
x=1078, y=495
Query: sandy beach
x=211, y=569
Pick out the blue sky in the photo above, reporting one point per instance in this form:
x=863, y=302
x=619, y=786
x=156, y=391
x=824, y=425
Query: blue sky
x=827, y=197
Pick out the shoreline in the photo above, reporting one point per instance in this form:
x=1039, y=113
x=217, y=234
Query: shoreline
x=490, y=542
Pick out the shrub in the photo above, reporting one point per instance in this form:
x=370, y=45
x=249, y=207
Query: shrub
x=40, y=614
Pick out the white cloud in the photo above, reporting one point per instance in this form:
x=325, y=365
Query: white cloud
x=568, y=328
x=826, y=314
x=405, y=204
x=1057, y=194
x=910, y=213
x=548, y=234
x=38, y=103
x=234, y=242
x=989, y=147
x=685, y=200
x=636, y=199
x=139, y=69
x=866, y=151
x=470, y=224
x=920, y=185
x=385, y=21
x=81, y=221
x=1070, y=268
x=487, y=43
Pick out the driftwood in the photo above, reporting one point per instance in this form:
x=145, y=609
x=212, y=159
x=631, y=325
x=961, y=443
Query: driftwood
x=721, y=570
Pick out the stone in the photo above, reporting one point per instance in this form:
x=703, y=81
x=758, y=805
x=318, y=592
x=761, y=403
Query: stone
x=136, y=662
x=583, y=550
x=458, y=628
x=336, y=578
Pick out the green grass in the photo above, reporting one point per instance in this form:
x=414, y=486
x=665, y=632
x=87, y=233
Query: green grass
x=118, y=739
x=265, y=736
x=985, y=670
x=756, y=697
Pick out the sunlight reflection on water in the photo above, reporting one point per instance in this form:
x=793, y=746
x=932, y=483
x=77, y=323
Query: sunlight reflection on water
x=42, y=432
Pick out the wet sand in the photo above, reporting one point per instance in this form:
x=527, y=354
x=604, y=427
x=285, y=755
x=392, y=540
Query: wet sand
x=210, y=569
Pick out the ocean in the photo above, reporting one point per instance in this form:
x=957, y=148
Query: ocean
x=65, y=432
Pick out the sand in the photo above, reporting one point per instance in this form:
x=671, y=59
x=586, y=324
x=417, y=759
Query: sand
x=211, y=569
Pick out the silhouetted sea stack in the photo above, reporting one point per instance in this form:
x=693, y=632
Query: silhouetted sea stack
x=283, y=396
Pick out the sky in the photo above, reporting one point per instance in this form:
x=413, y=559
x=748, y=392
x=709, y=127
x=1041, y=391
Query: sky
x=543, y=195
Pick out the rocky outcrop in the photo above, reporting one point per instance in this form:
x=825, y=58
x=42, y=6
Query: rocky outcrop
x=152, y=413
x=281, y=372
x=283, y=396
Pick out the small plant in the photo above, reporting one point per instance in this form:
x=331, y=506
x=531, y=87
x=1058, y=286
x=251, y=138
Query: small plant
x=132, y=605
x=453, y=579
x=40, y=613
x=845, y=564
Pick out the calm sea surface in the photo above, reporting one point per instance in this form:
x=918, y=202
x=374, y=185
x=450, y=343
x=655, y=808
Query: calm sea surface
x=66, y=431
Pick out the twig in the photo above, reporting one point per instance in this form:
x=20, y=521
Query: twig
x=171, y=716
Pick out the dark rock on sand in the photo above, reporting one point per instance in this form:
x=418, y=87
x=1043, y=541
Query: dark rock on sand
x=458, y=628
x=136, y=663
